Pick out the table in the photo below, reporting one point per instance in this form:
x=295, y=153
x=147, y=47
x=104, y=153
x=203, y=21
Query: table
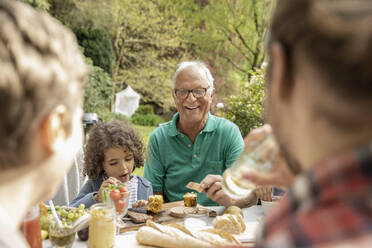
x=252, y=217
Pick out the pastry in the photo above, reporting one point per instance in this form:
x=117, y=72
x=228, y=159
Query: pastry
x=155, y=203
x=234, y=210
x=189, y=199
x=230, y=223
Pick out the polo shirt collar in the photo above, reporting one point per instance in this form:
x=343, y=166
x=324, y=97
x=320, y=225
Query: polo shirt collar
x=209, y=126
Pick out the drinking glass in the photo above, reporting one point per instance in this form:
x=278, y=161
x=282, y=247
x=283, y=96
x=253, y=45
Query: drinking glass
x=102, y=226
x=31, y=228
x=195, y=218
x=61, y=236
x=258, y=157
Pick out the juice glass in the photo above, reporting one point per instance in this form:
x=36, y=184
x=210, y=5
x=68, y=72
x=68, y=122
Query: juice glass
x=31, y=228
x=258, y=157
x=102, y=226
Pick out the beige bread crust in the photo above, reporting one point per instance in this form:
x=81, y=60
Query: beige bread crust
x=171, y=239
x=234, y=210
x=233, y=224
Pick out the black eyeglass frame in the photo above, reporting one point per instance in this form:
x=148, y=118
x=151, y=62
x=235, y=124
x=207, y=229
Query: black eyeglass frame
x=192, y=91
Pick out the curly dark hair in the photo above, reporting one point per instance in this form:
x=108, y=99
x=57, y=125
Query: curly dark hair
x=106, y=135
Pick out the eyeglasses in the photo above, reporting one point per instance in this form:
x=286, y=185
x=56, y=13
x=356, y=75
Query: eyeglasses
x=184, y=93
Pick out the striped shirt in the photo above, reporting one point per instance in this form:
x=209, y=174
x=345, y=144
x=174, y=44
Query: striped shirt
x=132, y=186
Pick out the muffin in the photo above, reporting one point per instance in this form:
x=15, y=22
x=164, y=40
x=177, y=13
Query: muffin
x=155, y=203
x=190, y=199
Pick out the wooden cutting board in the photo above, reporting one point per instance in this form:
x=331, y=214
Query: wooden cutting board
x=163, y=217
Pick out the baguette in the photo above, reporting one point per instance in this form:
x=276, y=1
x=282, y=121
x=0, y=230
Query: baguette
x=173, y=238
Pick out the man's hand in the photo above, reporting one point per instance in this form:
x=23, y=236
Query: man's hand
x=212, y=187
x=265, y=193
x=280, y=174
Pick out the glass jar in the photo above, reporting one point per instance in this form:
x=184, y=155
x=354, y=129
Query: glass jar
x=258, y=157
x=61, y=236
x=30, y=227
x=196, y=218
x=102, y=227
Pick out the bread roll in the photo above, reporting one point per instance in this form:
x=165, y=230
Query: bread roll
x=234, y=210
x=230, y=223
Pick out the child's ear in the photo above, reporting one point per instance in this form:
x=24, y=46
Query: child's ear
x=52, y=130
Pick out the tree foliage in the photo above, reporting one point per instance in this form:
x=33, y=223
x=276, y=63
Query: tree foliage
x=232, y=30
x=147, y=44
x=97, y=46
x=98, y=91
x=39, y=4
x=246, y=109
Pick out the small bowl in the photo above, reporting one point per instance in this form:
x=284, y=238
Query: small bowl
x=267, y=205
x=195, y=218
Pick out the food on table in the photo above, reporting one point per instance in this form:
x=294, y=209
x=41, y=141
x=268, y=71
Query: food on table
x=234, y=210
x=178, y=212
x=230, y=223
x=67, y=215
x=155, y=203
x=83, y=234
x=102, y=227
x=190, y=199
x=116, y=195
x=61, y=237
x=177, y=235
x=194, y=186
x=44, y=234
x=139, y=217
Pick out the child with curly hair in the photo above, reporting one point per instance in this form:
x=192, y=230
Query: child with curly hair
x=113, y=151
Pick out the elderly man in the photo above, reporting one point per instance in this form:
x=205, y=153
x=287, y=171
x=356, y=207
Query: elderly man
x=195, y=143
x=42, y=73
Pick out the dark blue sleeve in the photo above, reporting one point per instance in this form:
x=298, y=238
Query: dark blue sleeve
x=86, y=194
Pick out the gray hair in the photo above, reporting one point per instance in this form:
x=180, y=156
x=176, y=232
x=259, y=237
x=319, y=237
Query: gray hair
x=200, y=67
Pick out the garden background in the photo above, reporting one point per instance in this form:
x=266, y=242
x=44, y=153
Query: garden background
x=140, y=42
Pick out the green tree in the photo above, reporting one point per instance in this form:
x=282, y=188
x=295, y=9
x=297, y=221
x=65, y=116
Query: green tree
x=232, y=31
x=246, y=109
x=147, y=44
x=97, y=46
x=39, y=4
x=98, y=91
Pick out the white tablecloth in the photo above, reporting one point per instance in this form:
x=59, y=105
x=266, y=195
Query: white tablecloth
x=252, y=217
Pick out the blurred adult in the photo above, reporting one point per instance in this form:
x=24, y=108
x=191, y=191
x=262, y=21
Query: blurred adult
x=42, y=73
x=194, y=143
x=319, y=98
x=74, y=179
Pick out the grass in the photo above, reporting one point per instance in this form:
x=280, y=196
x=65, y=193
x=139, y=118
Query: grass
x=145, y=133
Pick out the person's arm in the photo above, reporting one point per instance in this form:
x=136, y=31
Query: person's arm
x=154, y=169
x=85, y=196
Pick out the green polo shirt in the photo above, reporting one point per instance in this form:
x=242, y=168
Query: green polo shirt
x=172, y=160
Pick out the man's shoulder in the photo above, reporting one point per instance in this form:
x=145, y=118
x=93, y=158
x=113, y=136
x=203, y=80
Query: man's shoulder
x=223, y=124
x=162, y=129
